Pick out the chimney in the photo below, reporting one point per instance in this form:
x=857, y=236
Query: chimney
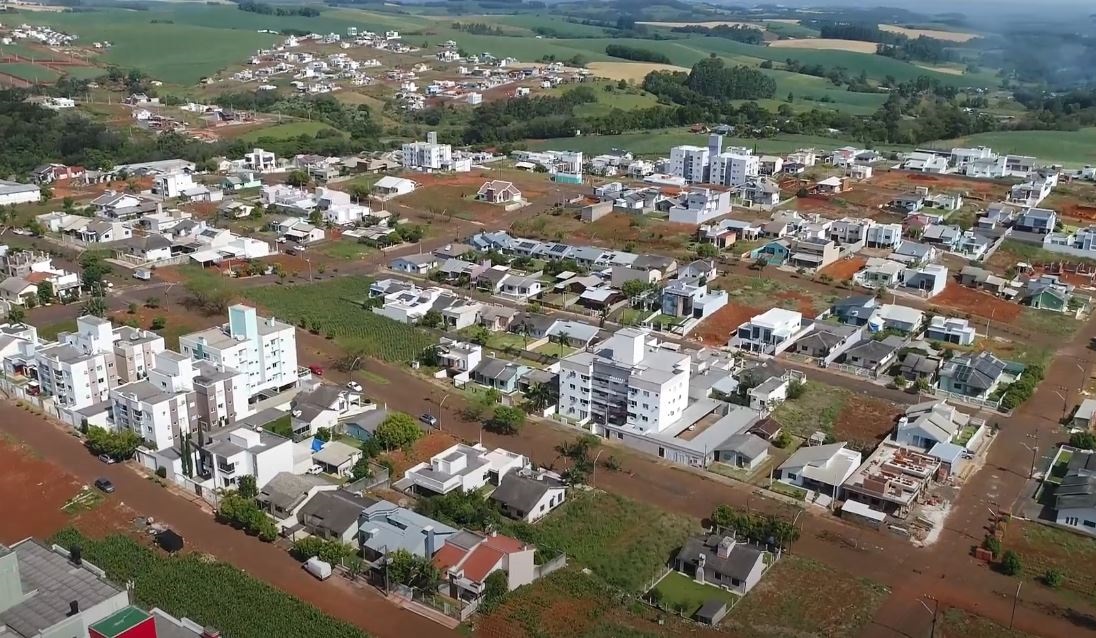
x=429, y=547
x=74, y=608
x=725, y=547
x=76, y=555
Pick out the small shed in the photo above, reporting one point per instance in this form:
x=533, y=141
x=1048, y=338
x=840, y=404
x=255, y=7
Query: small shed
x=712, y=611
x=860, y=513
x=170, y=541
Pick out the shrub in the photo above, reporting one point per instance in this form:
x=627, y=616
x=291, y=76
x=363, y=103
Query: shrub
x=1053, y=578
x=1083, y=440
x=161, y=472
x=1010, y=563
x=993, y=544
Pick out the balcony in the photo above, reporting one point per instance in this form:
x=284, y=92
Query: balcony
x=226, y=468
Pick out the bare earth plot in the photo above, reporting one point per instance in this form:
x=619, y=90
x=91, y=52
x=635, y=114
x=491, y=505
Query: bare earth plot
x=632, y=71
x=830, y=44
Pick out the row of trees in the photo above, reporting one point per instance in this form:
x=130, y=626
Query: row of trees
x=240, y=509
x=738, y=32
x=263, y=8
x=636, y=53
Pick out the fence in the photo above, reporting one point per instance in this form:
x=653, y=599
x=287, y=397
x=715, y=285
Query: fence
x=379, y=479
x=952, y=396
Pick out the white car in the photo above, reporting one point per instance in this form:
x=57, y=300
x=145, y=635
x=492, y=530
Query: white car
x=355, y=386
x=315, y=469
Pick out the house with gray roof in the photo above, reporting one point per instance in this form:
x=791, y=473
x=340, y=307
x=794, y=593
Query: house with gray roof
x=914, y=365
x=385, y=527
x=820, y=467
x=974, y=375
x=528, y=497
x=1075, y=496
x=334, y=514
x=824, y=339
x=323, y=406
x=499, y=374
x=50, y=592
x=414, y=264
x=336, y=457
x=722, y=562
x=743, y=450
x=284, y=495
x=924, y=425
x=873, y=356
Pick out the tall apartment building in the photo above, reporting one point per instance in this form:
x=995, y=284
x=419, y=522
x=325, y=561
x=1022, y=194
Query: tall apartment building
x=79, y=370
x=625, y=382
x=734, y=169
x=220, y=394
x=135, y=352
x=262, y=349
x=689, y=163
x=161, y=408
x=428, y=155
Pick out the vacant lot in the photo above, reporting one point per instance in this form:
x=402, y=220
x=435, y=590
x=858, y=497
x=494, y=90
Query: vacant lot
x=949, y=36
x=764, y=292
x=622, y=541
x=1070, y=148
x=828, y=44
x=1042, y=548
x=844, y=269
x=957, y=623
x=801, y=597
x=861, y=420
x=968, y=301
x=616, y=230
x=631, y=71
x=717, y=329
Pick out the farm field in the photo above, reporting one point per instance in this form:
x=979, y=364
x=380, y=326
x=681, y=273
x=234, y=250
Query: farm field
x=1069, y=148
x=789, y=602
x=826, y=44
x=631, y=71
x=35, y=73
x=949, y=36
x=860, y=420
x=335, y=308
x=659, y=141
x=622, y=541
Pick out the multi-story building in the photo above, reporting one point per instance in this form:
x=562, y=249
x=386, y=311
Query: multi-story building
x=689, y=163
x=700, y=205
x=768, y=333
x=226, y=455
x=733, y=169
x=162, y=416
x=79, y=371
x=220, y=395
x=428, y=155
x=263, y=349
x=134, y=352
x=624, y=382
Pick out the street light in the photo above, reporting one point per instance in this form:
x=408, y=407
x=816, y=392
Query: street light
x=593, y=470
x=933, y=611
x=1034, y=454
x=441, y=413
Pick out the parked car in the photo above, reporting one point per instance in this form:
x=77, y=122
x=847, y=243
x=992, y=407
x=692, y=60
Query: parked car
x=315, y=469
x=316, y=370
x=104, y=484
x=429, y=419
x=355, y=386
x=105, y=458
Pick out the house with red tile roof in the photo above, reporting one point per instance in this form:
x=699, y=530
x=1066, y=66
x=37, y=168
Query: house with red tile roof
x=468, y=558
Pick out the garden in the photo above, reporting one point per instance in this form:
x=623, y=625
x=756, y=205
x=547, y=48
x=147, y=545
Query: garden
x=211, y=593
x=683, y=594
x=337, y=309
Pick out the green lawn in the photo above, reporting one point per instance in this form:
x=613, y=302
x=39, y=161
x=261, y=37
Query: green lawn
x=659, y=141
x=622, y=541
x=30, y=72
x=681, y=593
x=284, y=131
x=816, y=409
x=1070, y=148
x=1048, y=322
x=50, y=332
x=348, y=249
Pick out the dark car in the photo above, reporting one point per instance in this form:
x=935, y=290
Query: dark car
x=105, y=485
x=429, y=419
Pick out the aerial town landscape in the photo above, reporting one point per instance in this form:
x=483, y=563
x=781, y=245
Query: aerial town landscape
x=524, y=318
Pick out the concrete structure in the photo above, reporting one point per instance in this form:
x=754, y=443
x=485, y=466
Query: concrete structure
x=734, y=169
x=768, y=333
x=462, y=467
x=12, y=193
x=689, y=163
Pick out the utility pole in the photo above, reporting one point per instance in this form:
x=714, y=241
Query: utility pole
x=1015, y=599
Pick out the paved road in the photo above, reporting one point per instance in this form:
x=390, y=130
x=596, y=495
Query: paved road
x=361, y=606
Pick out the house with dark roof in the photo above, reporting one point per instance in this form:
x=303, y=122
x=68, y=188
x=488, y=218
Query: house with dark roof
x=286, y=493
x=527, y=497
x=973, y=375
x=744, y=450
x=334, y=514
x=1075, y=496
x=721, y=561
x=500, y=374
x=854, y=310
x=914, y=365
x=873, y=356
x=824, y=339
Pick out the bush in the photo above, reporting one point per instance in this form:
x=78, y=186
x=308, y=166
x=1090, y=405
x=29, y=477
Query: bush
x=1083, y=440
x=1010, y=563
x=506, y=420
x=782, y=440
x=159, y=323
x=993, y=544
x=161, y=472
x=796, y=390
x=399, y=430
x=1053, y=578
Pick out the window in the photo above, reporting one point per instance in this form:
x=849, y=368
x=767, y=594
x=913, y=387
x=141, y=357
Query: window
x=1090, y=523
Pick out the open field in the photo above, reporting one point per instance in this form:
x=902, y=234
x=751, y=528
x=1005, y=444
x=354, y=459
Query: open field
x=860, y=420
x=801, y=597
x=1042, y=547
x=957, y=623
x=35, y=73
x=1069, y=148
x=826, y=44
x=659, y=141
x=335, y=308
x=631, y=71
x=970, y=302
x=615, y=230
x=621, y=540
x=284, y=130
x=947, y=36
x=843, y=269
x=762, y=292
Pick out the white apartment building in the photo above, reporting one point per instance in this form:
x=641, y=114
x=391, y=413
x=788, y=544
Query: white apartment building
x=162, y=408
x=79, y=370
x=700, y=206
x=263, y=349
x=220, y=395
x=734, y=169
x=624, y=382
x=226, y=455
x=134, y=352
x=171, y=185
x=769, y=332
x=689, y=163
x=428, y=155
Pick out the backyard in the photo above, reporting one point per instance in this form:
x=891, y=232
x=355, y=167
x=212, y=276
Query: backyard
x=679, y=592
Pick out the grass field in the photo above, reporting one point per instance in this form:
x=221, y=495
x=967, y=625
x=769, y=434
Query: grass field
x=826, y=44
x=284, y=131
x=1069, y=148
x=659, y=141
x=335, y=307
x=801, y=597
x=1042, y=547
x=622, y=541
x=684, y=594
x=30, y=72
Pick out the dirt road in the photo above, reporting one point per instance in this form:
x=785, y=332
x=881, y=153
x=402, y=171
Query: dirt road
x=361, y=606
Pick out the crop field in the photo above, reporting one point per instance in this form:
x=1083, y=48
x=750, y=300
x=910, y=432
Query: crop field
x=335, y=308
x=1069, y=148
x=801, y=597
x=1042, y=547
x=826, y=44
x=192, y=586
x=622, y=541
x=631, y=71
x=810, y=92
x=949, y=36
x=30, y=72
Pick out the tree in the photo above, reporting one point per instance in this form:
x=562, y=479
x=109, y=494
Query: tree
x=411, y=570
x=796, y=390
x=921, y=385
x=562, y=338
x=899, y=381
x=399, y=430
x=1083, y=440
x=132, y=309
x=159, y=323
x=297, y=179
x=432, y=319
x=152, y=302
x=361, y=469
x=323, y=434
x=46, y=193
x=1011, y=564
x=16, y=315
x=480, y=336
x=495, y=588
x=118, y=445
x=1054, y=578
x=45, y=292
x=707, y=251
x=506, y=420
x=94, y=270
x=539, y=396
x=634, y=289
x=247, y=486
x=461, y=508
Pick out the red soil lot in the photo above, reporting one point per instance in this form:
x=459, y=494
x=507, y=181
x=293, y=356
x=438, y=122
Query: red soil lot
x=717, y=329
x=979, y=304
x=844, y=269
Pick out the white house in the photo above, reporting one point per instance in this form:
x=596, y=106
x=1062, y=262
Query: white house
x=950, y=330
x=925, y=425
x=768, y=333
x=12, y=193
x=260, y=161
x=822, y=468
x=227, y=455
x=461, y=467
x=700, y=205
x=388, y=187
x=528, y=498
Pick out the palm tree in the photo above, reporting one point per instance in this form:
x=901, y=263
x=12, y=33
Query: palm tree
x=539, y=396
x=562, y=337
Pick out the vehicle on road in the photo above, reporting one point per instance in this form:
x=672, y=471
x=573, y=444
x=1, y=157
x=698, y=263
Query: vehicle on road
x=106, y=458
x=318, y=568
x=316, y=370
x=104, y=485
x=355, y=386
x=429, y=419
